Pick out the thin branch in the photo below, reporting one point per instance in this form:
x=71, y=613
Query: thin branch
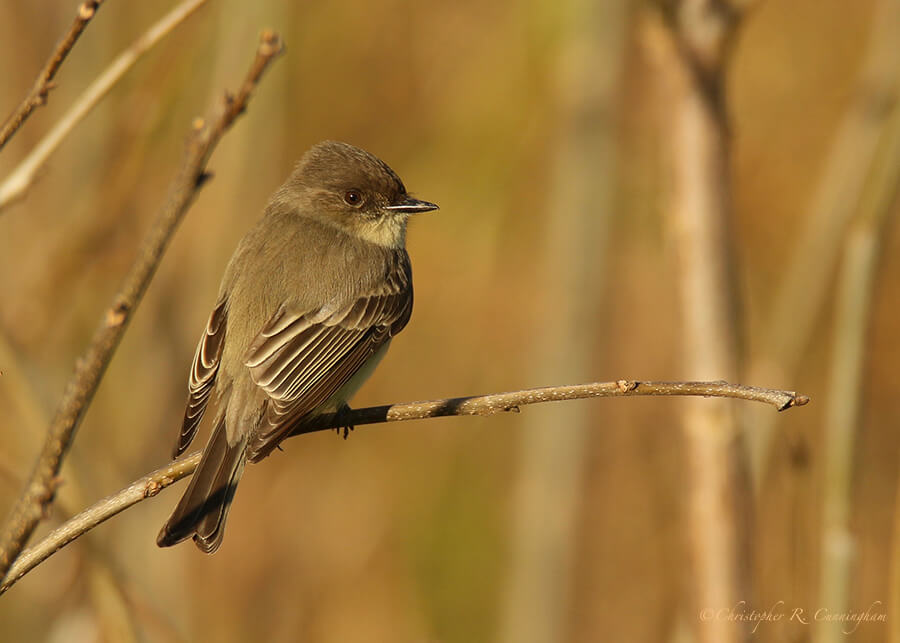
x=152, y=483
x=502, y=402
x=40, y=488
x=44, y=82
x=802, y=293
x=21, y=178
x=842, y=418
x=146, y=487
x=806, y=289
x=102, y=567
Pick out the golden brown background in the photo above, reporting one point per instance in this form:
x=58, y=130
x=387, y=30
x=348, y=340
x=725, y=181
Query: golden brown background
x=416, y=531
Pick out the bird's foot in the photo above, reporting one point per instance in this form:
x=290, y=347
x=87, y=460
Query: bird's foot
x=341, y=412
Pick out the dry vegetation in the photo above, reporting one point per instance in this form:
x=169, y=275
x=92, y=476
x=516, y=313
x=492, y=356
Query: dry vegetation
x=545, y=131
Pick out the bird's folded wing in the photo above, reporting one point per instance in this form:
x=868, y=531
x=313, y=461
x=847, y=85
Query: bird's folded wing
x=203, y=375
x=302, y=359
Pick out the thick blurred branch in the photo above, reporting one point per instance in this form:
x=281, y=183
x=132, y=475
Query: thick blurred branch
x=152, y=483
x=697, y=39
x=44, y=83
x=894, y=575
x=40, y=488
x=21, y=178
x=550, y=465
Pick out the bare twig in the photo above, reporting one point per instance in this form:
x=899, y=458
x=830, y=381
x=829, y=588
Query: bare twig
x=152, y=483
x=44, y=83
x=40, y=488
x=500, y=402
x=21, y=178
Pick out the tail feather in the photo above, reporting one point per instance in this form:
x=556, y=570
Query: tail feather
x=203, y=508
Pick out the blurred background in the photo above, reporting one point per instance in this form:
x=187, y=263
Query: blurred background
x=545, y=132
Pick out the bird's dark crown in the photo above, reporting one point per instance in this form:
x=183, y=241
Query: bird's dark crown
x=338, y=167
x=344, y=186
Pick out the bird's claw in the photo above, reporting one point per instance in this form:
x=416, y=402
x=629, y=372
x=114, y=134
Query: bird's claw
x=342, y=411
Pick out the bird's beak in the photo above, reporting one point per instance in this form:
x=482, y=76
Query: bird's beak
x=410, y=205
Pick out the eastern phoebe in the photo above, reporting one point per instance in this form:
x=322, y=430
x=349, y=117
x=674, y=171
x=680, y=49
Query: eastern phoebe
x=307, y=307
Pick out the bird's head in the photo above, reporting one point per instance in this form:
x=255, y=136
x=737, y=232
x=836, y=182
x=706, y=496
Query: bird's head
x=347, y=187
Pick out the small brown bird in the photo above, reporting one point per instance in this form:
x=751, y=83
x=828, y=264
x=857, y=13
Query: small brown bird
x=307, y=308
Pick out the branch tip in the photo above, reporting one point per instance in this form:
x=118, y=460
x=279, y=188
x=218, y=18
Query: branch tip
x=87, y=10
x=270, y=43
x=800, y=400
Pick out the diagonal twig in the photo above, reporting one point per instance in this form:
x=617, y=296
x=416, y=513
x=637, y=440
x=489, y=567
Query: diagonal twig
x=89, y=368
x=20, y=179
x=44, y=83
x=152, y=483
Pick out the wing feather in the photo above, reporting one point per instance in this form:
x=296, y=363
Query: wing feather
x=302, y=359
x=203, y=375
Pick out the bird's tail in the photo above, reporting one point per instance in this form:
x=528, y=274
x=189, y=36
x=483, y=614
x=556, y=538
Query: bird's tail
x=202, y=510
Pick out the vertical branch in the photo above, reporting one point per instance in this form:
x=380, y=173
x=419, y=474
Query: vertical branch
x=551, y=463
x=41, y=487
x=700, y=33
x=853, y=306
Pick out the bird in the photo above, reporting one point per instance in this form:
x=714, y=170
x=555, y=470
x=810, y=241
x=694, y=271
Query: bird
x=308, y=305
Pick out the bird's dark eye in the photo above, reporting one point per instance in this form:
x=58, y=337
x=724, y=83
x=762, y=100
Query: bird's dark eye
x=353, y=197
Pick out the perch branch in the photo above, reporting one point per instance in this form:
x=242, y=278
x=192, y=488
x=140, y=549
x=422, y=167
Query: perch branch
x=44, y=83
x=152, y=483
x=41, y=485
x=500, y=402
x=21, y=178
